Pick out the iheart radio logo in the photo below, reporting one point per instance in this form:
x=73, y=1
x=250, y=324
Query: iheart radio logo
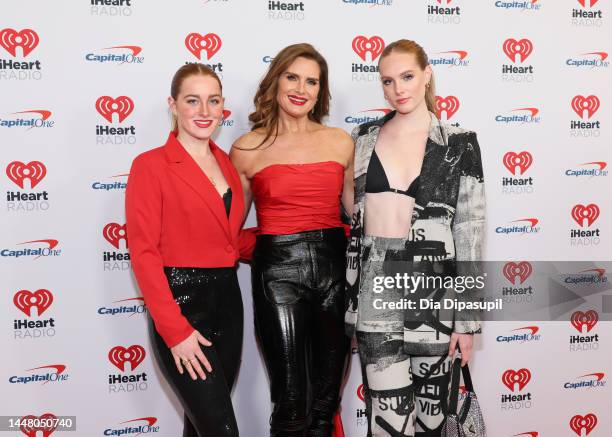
x=580, y=320
x=107, y=106
x=522, y=160
x=589, y=104
x=579, y=423
x=444, y=1
x=48, y=419
x=449, y=104
x=25, y=300
x=521, y=270
x=210, y=43
x=590, y=213
x=18, y=172
x=362, y=45
x=10, y=39
x=589, y=3
x=119, y=355
x=361, y=392
x=520, y=377
x=114, y=232
x=513, y=48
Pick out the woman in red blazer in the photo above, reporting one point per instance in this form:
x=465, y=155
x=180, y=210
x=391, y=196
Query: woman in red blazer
x=184, y=208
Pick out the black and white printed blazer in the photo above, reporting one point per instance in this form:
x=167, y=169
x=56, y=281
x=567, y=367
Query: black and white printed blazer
x=449, y=211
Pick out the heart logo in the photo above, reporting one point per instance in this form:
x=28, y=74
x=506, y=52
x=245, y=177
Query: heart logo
x=522, y=160
x=588, y=319
x=520, y=270
x=513, y=48
x=587, y=422
x=590, y=213
x=25, y=300
x=449, y=104
x=114, y=232
x=10, y=39
x=210, y=43
x=520, y=377
x=119, y=355
x=362, y=45
x=107, y=106
x=18, y=172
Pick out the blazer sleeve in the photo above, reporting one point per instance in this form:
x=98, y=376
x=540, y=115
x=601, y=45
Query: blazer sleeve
x=469, y=231
x=246, y=243
x=143, y=204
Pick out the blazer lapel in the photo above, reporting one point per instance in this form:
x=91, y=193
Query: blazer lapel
x=438, y=164
x=185, y=167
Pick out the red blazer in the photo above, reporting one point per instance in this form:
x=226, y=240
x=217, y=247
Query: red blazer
x=175, y=217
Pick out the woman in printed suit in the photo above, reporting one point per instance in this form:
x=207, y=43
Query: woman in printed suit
x=185, y=208
x=418, y=209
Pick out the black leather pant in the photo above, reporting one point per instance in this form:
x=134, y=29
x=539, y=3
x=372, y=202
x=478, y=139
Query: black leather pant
x=298, y=295
x=210, y=299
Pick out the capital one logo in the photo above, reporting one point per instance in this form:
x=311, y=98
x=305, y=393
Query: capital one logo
x=579, y=423
x=588, y=320
x=362, y=45
x=522, y=160
x=521, y=377
x=18, y=172
x=48, y=419
x=521, y=49
x=10, y=39
x=25, y=300
x=587, y=3
x=590, y=213
x=120, y=355
x=107, y=106
x=590, y=104
x=513, y=271
x=114, y=233
x=449, y=104
x=210, y=43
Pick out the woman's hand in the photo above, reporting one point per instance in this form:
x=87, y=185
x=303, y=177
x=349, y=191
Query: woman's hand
x=466, y=342
x=188, y=353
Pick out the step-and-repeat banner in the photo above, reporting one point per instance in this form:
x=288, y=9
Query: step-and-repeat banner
x=83, y=91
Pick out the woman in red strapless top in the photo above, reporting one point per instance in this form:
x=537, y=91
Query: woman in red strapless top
x=298, y=171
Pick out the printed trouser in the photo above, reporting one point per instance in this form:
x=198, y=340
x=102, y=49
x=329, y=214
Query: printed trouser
x=399, y=401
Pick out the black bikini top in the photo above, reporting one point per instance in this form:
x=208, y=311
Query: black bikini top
x=377, y=182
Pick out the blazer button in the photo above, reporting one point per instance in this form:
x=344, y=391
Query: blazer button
x=229, y=248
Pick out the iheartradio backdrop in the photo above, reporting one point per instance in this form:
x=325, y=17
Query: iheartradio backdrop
x=84, y=86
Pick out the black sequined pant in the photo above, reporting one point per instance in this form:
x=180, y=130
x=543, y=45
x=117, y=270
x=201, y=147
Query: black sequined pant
x=210, y=299
x=298, y=296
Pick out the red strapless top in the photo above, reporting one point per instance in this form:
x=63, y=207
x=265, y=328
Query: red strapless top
x=292, y=198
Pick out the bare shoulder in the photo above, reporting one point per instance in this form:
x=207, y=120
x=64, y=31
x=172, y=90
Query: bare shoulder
x=245, y=148
x=340, y=139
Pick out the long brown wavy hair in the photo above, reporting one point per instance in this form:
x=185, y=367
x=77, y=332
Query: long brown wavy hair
x=266, y=105
x=409, y=46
